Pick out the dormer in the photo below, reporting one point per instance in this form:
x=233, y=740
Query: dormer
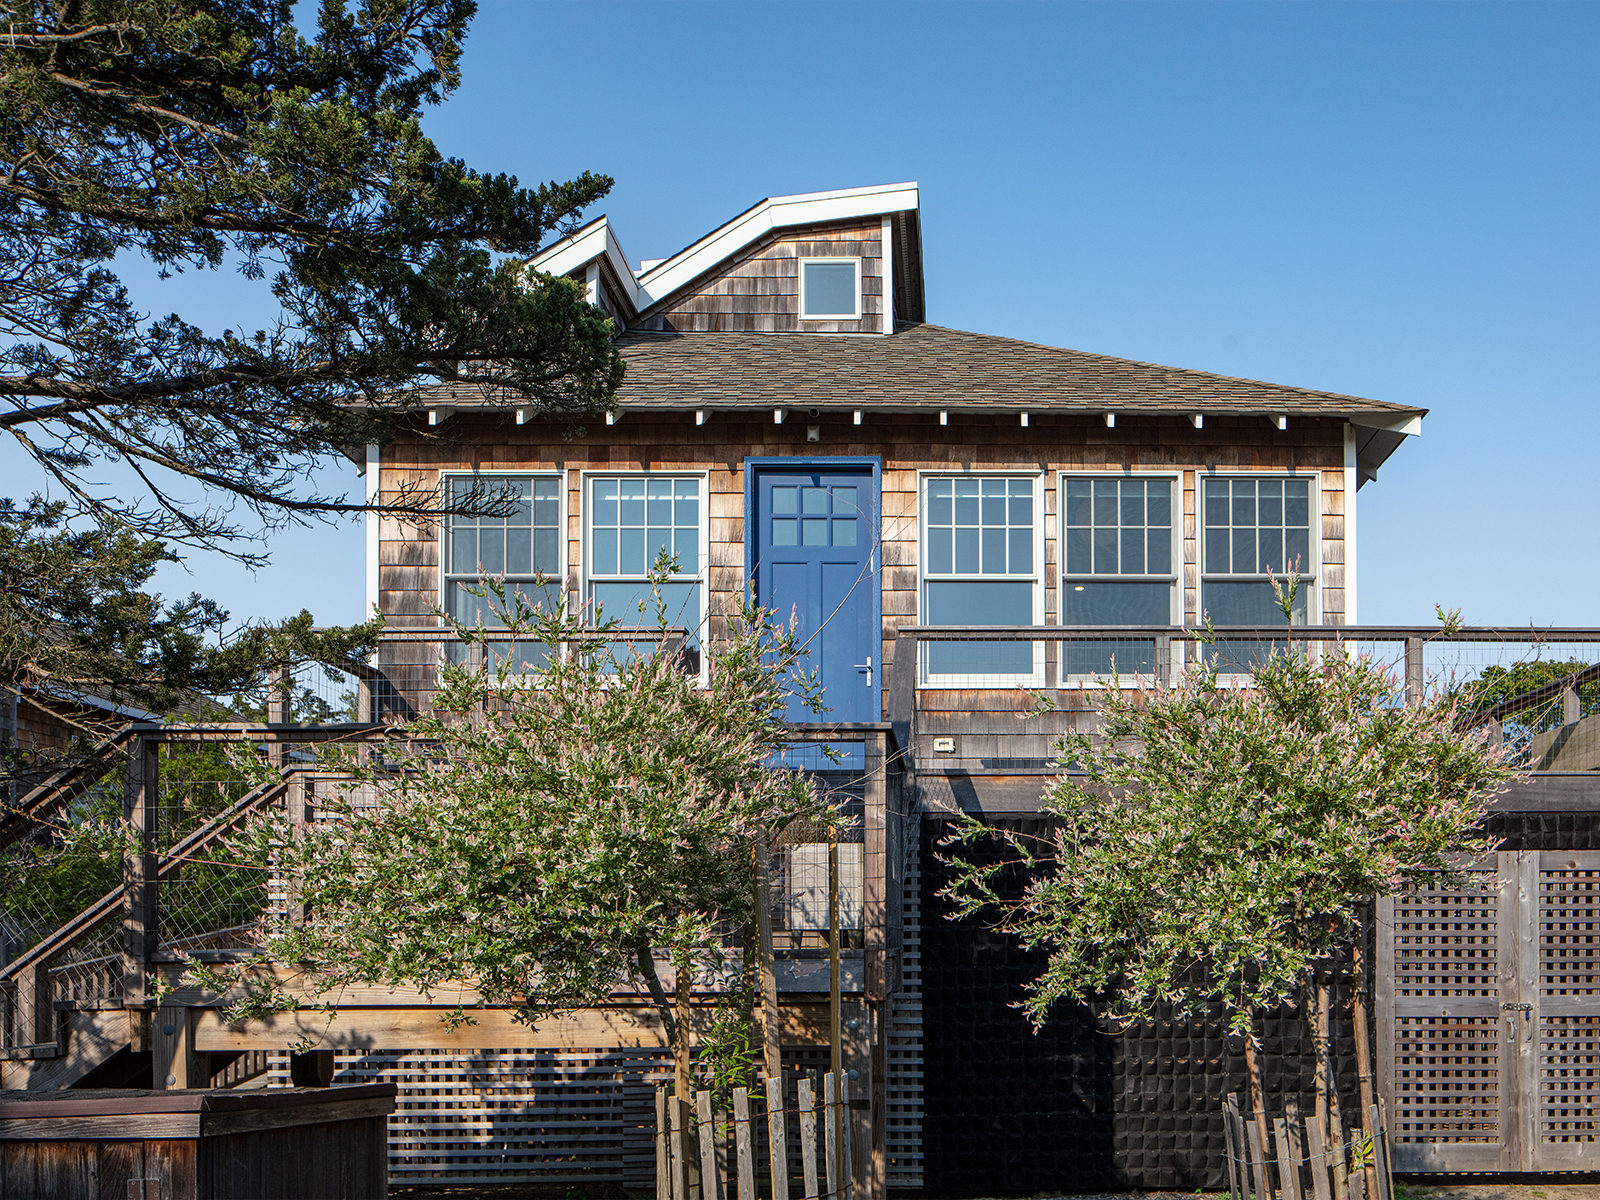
x=840, y=262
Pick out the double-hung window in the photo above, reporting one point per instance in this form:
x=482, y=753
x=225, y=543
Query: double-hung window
x=1256, y=529
x=523, y=547
x=632, y=521
x=1118, y=567
x=982, y=564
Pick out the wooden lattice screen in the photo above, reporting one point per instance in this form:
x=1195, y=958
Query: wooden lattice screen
x=1488, y=1012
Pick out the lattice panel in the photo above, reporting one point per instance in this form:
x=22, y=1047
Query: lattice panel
x=505, y=1116
x=904, y=1135
x=1569, y=934
x=1447, y=1079
x=1444, y=942
x=1569, y=1079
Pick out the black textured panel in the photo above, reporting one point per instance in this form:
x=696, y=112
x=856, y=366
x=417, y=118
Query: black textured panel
x=1079, y=1106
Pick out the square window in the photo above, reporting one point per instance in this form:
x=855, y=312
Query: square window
x=830, y=289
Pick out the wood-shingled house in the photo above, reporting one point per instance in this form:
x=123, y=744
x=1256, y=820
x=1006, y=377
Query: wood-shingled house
x=791, y=419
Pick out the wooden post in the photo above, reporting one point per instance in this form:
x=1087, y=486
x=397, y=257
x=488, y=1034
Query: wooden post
x=141, y=810
x=1258, y=1159
x=835, y=1000
x=770, y=1021
x=710, y=1177
x=847, y=1156
x=1571, y=707
x=903, y=693
x=1297, y=1142
x=1415, y=680
x=677, y=1111
x=174, y=1063
x=663, y=1157
x=741, y=1138
x=777, y=1138
x=1358, y=1013
x=1320, y=1164
x=1232, y=1130
x=1288, y=1169
x=830, y=1122
x=808, y=1136
x=876, y=909
x=1380, y=1155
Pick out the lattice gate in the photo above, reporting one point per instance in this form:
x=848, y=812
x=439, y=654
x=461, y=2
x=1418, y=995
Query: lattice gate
x=1488, y=1015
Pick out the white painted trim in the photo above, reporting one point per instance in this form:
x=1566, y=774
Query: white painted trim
x=1198, y=420
x=1351, y=486
x=1111, y=420
x=374, y=470
x=703, y=576
x=886, y=273
x=830, y=261
x=1040, y=574
x=778, y=212
x=582, y=249
x=443, y=537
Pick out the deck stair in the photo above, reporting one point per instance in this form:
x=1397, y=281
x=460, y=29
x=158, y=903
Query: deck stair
x=62, y=1014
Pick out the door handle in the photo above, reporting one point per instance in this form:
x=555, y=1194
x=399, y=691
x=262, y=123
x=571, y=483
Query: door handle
x=867, y=667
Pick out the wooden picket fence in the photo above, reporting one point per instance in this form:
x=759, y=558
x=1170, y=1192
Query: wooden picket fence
x=1298, y=1151
x=693, y=1143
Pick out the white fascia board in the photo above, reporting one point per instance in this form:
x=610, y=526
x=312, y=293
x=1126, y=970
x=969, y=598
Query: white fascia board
x=780, y=212
x=584, y=247
x=1411, y=426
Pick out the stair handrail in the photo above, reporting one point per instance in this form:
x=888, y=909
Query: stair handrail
x=92, y=915
x=65, y=783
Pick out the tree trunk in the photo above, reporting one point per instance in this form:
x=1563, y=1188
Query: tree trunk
x=1258, y=1101
x=1358, y=1010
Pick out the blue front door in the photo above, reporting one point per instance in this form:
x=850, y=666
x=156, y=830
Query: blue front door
x=815, y=547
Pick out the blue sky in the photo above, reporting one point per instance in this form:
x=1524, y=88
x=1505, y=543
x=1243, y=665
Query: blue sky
x=1395, y=201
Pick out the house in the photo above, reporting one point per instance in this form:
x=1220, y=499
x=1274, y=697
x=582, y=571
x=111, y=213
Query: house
x=791, y=421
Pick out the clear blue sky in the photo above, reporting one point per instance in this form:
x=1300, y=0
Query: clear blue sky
x=1396, y=201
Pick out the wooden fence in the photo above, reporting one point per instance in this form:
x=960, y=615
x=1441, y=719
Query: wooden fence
x=1297, y=1152
x=701, y=1151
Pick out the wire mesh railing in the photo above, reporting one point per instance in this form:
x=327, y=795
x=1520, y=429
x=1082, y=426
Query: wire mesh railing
x=1000, y=697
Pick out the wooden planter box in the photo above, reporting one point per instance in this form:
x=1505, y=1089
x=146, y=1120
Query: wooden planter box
x=195, y=1145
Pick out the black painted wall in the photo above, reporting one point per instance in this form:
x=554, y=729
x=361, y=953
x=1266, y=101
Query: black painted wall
x=1081, y=1105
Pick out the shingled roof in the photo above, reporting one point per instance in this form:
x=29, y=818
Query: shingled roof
x=930, y=366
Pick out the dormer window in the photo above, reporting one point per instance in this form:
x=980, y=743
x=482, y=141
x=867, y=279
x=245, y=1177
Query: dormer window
x=830, y=289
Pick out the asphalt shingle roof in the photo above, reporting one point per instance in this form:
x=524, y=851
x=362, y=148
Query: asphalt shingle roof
x=927, y=366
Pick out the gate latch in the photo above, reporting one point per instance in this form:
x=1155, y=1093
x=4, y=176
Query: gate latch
x=1509, y=1007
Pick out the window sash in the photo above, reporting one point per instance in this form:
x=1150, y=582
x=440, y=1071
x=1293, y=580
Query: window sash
x=1001, y=529
x=829, y=265
x=540, y=516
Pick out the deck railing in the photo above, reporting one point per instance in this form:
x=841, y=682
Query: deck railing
x=962, y=697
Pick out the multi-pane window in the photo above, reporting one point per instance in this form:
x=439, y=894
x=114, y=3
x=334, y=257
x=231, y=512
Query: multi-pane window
x=633, y=521
x=522, y=546
x=1253, y=528
x=980, y=567
x=1117, y=567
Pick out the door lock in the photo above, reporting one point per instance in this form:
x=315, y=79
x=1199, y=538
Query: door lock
x=867, y=667
x=1510, y=1007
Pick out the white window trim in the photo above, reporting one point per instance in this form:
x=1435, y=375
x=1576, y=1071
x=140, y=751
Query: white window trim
x=924, y=678
x=1311, y=573
x=1064, y=579
x=855, y=316
x=702, y=576
x=559, y=580
x=445, y=478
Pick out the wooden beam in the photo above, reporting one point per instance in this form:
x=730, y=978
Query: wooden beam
x=1024, y=420
x=409, y=1028
x=1280, y=421
x=944, y=417
x=613, y=417
x=701, y=416
x=858, y=416
x=1198, y=420
x=778, y=414
x=1111, y=420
